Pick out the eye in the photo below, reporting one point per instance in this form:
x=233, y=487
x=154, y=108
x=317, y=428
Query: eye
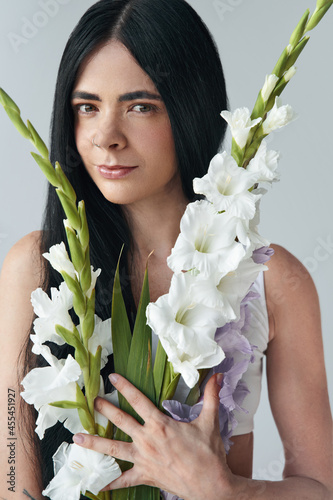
x=85, y=109
x=143, y=108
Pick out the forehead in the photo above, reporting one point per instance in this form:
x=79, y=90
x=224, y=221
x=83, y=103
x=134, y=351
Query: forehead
x=112, y=68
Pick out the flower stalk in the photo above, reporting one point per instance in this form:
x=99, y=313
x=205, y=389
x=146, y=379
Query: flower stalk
x=213, y=273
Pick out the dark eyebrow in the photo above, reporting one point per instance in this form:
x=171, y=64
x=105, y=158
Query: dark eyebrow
x=130, y=96
x=85, y=95
x=139, y=94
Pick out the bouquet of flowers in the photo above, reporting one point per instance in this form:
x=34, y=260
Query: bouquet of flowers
x=199, y=323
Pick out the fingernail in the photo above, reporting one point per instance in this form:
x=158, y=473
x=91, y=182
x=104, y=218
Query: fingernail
x=113, y=378
x=219, y=379
x=78, y=438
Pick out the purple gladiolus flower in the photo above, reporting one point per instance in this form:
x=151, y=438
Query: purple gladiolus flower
x=262, y=255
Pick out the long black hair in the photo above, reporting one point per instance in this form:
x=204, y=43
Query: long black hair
x=174, y=47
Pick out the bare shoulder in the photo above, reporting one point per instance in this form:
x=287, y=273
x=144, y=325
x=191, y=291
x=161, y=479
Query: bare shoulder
x=289, y=288
x=24, y=261
x=297, y=384
x=21, y=274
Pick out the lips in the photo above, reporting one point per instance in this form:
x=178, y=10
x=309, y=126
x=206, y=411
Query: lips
x=115, y=171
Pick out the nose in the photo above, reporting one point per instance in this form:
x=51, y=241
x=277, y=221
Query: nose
x=110, y=134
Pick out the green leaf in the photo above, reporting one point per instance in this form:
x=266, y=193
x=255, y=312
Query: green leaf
x=90, y=495
x=139, y=368
x=194, y=393
x=146, y=493
x=159, y=370
x=120, y=327
x=170, y=382
x=171, y=388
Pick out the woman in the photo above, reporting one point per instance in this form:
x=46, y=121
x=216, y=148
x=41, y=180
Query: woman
x=137, y=106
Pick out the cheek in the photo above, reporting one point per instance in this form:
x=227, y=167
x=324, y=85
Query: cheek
x=81, y=140
x=162, y=143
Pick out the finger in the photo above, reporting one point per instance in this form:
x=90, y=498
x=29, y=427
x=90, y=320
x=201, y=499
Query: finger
x=141, y=404
x=116, y=449
x=118, y=417
x=209, y=415
x=128, y=479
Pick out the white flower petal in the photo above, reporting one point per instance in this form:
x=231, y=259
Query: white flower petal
x=94, y=276
x=269, y=85
x=101, y=336
x=264, y=165
x=186, y=329
x=205, y=240
x=52, y=311
x=278, y=117
x=59, y=259
x=79, y=470
x=240, y=123
x=227, y=186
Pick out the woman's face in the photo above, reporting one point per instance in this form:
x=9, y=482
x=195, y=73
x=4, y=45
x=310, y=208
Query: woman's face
x=117, y=106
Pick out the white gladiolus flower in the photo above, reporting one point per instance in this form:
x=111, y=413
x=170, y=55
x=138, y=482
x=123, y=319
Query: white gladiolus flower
x=59, y=259
x=94, y=276
x=101, y=336
x=269, y=85
x=227, y=186
x=240, y=123
x=186, y=329
x=226, y=292
x=78, y=470
x=50, y=384
x=264, y=165
x=206, y=242
x=51, y=311
x=112, y=397
x=257, y=241
x=278, y=117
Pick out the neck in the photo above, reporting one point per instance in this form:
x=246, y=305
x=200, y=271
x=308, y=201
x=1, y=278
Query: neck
x=154, y=225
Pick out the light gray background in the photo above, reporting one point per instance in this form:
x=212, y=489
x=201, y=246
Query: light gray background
x=250, y=35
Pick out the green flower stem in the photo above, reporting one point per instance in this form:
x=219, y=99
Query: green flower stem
x=287, y=59
x=78, y=241
x=321, y=9
x=170, y=382
x=194, y=393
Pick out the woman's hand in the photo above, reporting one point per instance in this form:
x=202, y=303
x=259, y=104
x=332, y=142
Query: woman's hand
x=186, y=459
